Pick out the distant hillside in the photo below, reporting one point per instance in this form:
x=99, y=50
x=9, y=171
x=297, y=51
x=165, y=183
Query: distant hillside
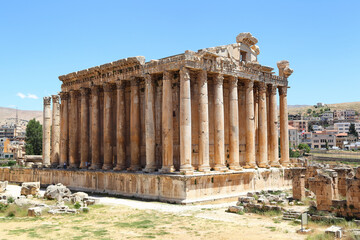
x=294, y=109
x=8, y=116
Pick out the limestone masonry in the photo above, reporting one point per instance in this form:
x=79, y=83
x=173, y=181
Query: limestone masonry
x=210, y=111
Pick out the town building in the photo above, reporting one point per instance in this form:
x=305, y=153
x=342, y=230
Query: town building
x=5, y=152
x=306, y=137
x=323, y=139
x=7, y=132
x=294, y=136
x=340, y=115
x=343, y=127
x=300, y=125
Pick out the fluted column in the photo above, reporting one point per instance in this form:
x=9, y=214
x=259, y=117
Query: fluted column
x=274, y=145
x=242, y=123
x=219, y=133
x=185, y=122
x=64, y=129
x=95, y=128
x=256, y=122
x=167, y=124
x=108, y=128
x=284, y=132
x=203, y=122
x=149, y=124
x=135, y=126
x=120, y=127
x=262, y=129
x=55, y=132
x=84, y=119
x=250, y=125
x=74, y=130
x=46, y=132
x=234, y=125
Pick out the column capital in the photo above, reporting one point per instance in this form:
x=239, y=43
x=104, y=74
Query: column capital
x=148, y=79
x=249, y=84
x=120, y=84
x=283, y=91
x=262, y=87
x=108, y=87
x=74, y=93
x=64, y=95
x=202, y=76
x=167, y=76
x=219, y=79
x=272, y=89
x=47, y=100
x=55, y=98
x=95, y=89
x=134, y=81
x=84, y=91
x=233, y=81
x=184, y=73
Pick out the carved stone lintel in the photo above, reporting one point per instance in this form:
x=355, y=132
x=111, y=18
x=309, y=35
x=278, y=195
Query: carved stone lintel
x=55, y=98
x=283, y=91
x=47, y=100
x=64, y=96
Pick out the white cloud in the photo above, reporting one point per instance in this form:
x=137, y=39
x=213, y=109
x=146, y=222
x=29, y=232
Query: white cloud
x=21, y=95
x=29, y=95
x=33, y=96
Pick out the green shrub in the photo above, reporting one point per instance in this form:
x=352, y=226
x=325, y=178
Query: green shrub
x=3, y=207
x=85, y=210
x=77, y=205
x=10, y=200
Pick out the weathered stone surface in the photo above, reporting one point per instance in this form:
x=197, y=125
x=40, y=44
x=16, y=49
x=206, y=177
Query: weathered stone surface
x=56, y=191
x=246, y=38
x=236, y=209
x=30, y=188
x=34, y=212
x=335, y=231
x=3, y=186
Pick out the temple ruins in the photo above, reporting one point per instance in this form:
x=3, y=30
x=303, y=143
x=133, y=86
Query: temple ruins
x=188, y=127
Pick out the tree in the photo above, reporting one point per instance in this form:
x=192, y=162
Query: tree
x=310, y=128
x=33, y=138
x=309, y=111
x=352, y=131
x=305, y=147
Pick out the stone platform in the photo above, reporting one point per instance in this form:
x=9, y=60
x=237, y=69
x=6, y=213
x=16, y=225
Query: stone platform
x=175, y=188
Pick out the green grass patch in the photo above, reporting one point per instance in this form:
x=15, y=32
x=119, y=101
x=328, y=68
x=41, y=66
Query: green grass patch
x=321, y=236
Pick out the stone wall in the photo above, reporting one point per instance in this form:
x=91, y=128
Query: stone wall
x=162, y=187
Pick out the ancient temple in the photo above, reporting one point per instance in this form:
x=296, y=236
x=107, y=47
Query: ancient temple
x=206, y=112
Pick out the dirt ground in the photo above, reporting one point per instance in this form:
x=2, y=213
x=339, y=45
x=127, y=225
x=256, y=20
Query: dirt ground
x=116, y=218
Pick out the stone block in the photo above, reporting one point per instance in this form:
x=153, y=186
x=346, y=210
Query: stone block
x=34, y=212
x=246, y=199
x=3, y=186
x=30, y=188
x=335, y=231
x=236, y=209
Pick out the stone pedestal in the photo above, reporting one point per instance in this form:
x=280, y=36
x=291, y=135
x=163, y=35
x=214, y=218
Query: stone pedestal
x=46, y=132
x=219, y=142
x=55, y=132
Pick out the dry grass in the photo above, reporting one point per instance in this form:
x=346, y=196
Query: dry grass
x=337, y=106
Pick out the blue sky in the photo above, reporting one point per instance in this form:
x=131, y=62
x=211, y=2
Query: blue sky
x=41, y=40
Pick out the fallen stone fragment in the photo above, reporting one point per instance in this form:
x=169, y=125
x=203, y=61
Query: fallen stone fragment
x=34, y=212
x=30, y=188
x=236, y=209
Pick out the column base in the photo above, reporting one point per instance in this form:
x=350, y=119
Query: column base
x=261, y=165
x=149, y=169
x=235, y=167
x=94, y=167
x=54, y=165
x=167, y=169
x=107, y=167
x=248, y=166
x=134, y=168
x=276, y=165
x=204, y=168
x=83, y=166
x=221, y=168
x=187, y=169
x=73, y=166
x=119, y=168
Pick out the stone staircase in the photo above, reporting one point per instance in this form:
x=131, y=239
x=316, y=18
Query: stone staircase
x=291, y=215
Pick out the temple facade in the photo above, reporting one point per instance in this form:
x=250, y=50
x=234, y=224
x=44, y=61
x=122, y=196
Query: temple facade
x=210, y=110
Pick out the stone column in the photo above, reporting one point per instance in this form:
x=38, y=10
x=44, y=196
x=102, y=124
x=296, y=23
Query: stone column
x=203, y=123
x=46, y=132
x=74, y=130
x=84, y=119
x=250, y=125
x=274, y=145
x=134, y=126
x=219, y=133
x=234, y=163
x=242, y=123
x=149, y=124
x=262, y=129
x=256, y=122
x=120, y=127
x=55, y=132
x=95, y=127
x=284, y=132
x=167, y=125
x=108, y=152
x=185, y=122
x=64, y=129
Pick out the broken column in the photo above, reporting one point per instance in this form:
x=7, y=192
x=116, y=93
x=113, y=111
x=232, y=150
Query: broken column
x=298, y=183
